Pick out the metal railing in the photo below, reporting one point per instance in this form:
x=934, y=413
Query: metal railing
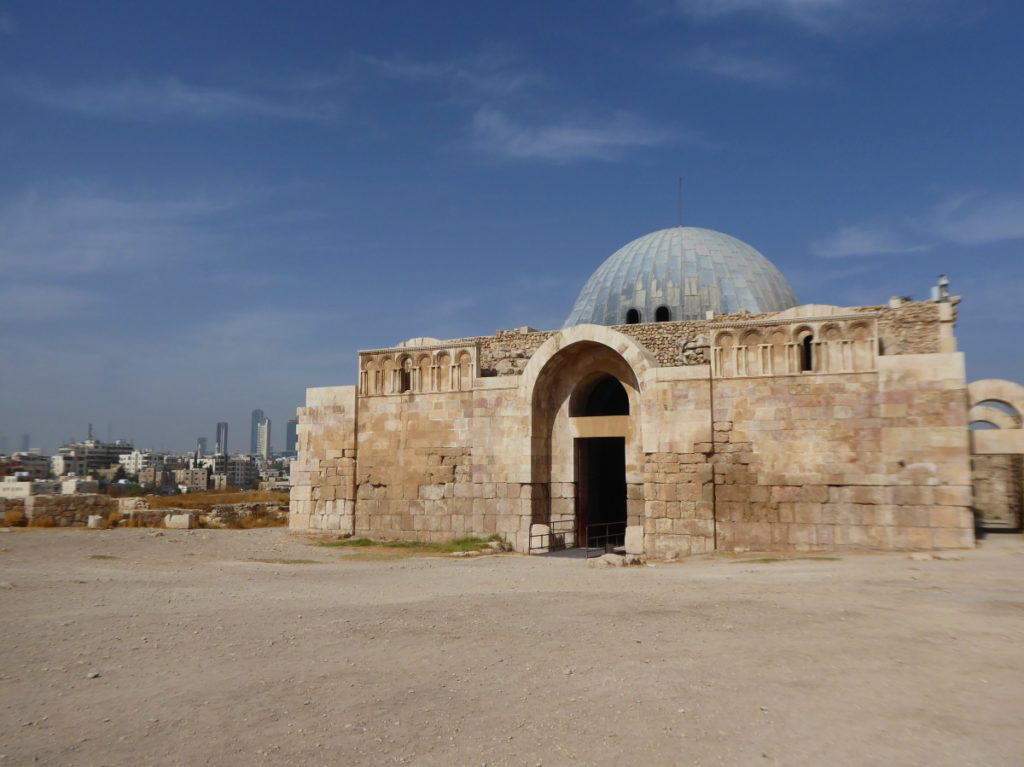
x=603, y=538
x=561, y=535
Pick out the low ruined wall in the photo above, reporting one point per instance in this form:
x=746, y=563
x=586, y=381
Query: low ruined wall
x=68, y=510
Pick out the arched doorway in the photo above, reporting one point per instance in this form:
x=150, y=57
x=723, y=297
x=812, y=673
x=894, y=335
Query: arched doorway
x=585, y=444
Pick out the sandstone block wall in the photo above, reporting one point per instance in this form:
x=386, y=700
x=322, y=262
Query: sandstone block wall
x=752, y=460
x=998, y=486
x=323, y=476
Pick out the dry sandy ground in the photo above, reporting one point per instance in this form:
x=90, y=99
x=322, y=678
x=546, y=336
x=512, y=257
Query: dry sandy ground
x=208, y=656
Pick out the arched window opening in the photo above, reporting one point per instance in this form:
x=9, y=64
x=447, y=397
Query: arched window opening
x=662, y=314
x=607, y=396
x=405, y=376
x=632, y=317
x=807, y=354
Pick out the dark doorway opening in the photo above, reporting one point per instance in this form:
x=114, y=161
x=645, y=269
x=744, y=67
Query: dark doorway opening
x=601, y=499
x=607, y=396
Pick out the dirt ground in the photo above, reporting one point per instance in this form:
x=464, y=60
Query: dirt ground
x=256, y=647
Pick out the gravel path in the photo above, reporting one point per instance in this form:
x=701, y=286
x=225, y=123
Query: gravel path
x=137, y=647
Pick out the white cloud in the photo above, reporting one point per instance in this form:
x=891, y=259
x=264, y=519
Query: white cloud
x=166, y=97
x=491, y=73
x=745, y=68
x=969, y=219
x=865, y=241
x=81, y=232
x=496, y=133
x=978, y=219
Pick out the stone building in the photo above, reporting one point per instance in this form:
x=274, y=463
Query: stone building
x=688, y=405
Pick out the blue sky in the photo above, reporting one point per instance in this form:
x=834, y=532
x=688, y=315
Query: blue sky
x=207, y=207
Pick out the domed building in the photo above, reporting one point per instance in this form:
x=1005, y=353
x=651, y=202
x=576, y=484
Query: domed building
x=680, y=273
x=687, y=405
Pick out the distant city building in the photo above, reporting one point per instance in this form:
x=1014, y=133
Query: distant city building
x=291, y=436
x=257, y=416
x=192, y=480
x=263, y=438
x=89, y=457
x=222, y=438
x=201, y=446
x=155, y=477
x=137, y=460
x=26, y=441
x=79, y=485
x=32, y=465
x=243, y=472
x=3, y=444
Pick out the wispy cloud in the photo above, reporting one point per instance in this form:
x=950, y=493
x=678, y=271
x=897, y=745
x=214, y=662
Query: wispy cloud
x=813, y=15
x=82, y=232
x=496, y=133
x=734, y=65
x=976, y=219
x=167, y=97
x=491, y=73
x=865, y=241
x=966, y=219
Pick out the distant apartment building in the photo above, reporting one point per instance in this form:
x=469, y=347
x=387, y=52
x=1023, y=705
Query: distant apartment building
x=202, y=446
x=137, y=460
x=26, y=443
x=243, y=472
x=33, y=465
x=291, y=437
x=89, y=457
x=192, y=480
x=155, y=477
x=222, y=438
x=257, y=417
x=263, y=439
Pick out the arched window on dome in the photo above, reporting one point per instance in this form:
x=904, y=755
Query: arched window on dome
x=633, y=317
x=662, y=314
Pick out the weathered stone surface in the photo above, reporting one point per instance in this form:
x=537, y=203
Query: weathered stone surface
x=180, y=521
x=736, y=448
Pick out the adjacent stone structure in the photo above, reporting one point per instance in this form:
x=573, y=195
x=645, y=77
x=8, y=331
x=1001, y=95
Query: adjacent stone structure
x=813, y=428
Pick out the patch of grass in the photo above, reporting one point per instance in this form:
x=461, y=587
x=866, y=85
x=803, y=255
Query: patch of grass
x=469, y=543
x=42, y=521
x=101, y=556
x=205, y=501
x=286, y=561
x=14, y=518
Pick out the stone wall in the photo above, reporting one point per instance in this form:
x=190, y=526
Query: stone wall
x=68, y=510
x=801, y=461
x=844, y=461
x=323, y=475
x=998, y=485
x=911, y=328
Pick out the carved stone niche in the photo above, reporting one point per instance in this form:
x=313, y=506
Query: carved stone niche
x=695, y=350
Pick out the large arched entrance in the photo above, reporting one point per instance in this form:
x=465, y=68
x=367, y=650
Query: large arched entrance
x=586, y=449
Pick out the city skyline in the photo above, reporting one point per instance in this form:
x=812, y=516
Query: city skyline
x=238, y=204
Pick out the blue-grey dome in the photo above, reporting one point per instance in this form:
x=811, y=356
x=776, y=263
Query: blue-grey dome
x=686, y=270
